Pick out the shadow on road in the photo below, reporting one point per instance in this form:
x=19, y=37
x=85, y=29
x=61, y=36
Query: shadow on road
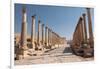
x=67, y=50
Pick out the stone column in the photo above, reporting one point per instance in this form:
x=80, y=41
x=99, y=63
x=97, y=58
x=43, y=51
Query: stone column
x=23, y=41
x=90, y=27
x=33, y=32
x=42, y=34
x=78, y=35
x=82, y=30
x=38, y=37
x=46, y=36
x=85, y=28
x=79, y=32
x=24, y=29
x=50, y=36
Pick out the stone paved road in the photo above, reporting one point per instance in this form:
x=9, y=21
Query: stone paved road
x=58, y=55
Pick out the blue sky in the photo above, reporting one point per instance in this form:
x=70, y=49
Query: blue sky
x=61, y=19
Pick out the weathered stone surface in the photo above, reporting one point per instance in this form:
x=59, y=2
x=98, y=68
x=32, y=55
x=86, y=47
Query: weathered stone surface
x=58, y=55
x=33, y=32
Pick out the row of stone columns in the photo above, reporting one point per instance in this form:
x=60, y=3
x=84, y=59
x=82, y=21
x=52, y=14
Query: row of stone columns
x=49, y=34
x=80, y=33
x=45, y=36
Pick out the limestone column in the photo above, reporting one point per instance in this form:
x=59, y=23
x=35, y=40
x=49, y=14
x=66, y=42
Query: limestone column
x=42, y=34
x=49, y=35
x=79, y=31
x=24, y=29
x=33, y=32
x=52, y=38
x=90, y=27
x=46, y=36
x=38, y=37
x=85, y=28
x=82, y=30
x=78, y=34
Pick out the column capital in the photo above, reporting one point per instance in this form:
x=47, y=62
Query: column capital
x=24, y=9
x=42, y=24
x=33, y=16
x=88, y=8
x=84, y=14
x=81, y=18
